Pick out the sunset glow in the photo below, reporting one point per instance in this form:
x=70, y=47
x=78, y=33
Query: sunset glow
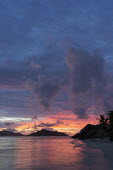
x=60, y=122
x=55, y=66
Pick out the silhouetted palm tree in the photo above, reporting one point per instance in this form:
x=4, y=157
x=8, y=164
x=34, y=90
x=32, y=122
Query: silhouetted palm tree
x=110, y=115
x=104, y=121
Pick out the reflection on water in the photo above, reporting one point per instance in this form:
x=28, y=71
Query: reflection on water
x=49, y=153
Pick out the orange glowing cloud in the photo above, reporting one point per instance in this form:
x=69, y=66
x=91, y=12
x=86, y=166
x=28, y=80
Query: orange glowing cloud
x=63, y=122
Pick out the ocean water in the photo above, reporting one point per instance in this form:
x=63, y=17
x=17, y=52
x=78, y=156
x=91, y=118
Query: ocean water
x=53, y=153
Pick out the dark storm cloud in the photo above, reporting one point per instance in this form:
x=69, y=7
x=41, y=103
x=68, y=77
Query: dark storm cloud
x=51, y=77
x=90, y=83
x=85, y=69
x=87, y=78
x=46, y=91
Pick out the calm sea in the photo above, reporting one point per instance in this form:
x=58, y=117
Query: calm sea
x=49, y=153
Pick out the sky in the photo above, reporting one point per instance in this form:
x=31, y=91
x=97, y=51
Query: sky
x=55, y=63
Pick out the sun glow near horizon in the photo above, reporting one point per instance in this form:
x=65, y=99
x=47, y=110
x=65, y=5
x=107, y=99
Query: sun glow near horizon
x=60, y=122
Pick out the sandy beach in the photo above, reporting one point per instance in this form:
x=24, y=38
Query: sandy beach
x=98, y=154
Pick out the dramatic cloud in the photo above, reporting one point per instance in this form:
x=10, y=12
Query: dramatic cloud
x=58, y=122
x=46, y=124
x=84, y=77
x=89, y=82
x=50, y=79
x=9, y=123
x=35, y=69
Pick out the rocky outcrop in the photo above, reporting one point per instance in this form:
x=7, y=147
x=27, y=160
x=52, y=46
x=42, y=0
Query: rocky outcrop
x=92, y=131
x=45, y=132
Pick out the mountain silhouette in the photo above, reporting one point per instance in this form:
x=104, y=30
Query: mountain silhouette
x=45, y=132
x=9, y=133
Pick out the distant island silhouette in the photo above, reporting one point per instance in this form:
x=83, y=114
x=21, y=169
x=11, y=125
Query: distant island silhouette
x=45, y=132
x=42, y=132
x=9, y=133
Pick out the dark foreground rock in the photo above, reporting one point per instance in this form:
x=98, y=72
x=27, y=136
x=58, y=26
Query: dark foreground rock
x=45, y=132
x=92, y=131
x=9, y=133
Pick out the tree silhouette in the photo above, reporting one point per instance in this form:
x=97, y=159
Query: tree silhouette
x=104, y=121
x=110, y=115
